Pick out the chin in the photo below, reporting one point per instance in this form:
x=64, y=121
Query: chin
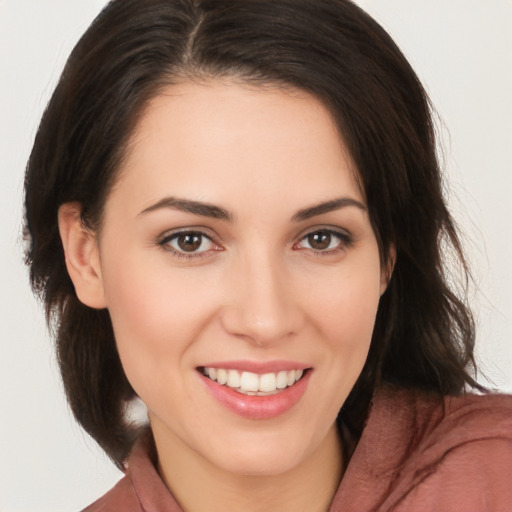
x=261, y=456
x=261, y=464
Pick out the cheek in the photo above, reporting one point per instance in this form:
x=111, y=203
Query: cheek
x=344, y=308
x=155, y=318
x=344, y=317
x=144, y=297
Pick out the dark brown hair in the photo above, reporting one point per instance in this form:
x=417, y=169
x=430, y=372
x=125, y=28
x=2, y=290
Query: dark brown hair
x=424, y=334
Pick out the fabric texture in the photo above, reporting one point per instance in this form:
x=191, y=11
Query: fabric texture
x=417, y=453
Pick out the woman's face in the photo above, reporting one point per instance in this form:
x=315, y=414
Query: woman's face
x=237, y=244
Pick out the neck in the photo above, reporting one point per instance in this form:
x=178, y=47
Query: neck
x=198, y=485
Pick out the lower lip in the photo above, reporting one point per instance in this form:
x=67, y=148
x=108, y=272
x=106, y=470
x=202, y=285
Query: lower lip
x=258, y=407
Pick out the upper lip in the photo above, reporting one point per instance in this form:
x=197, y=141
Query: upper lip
x=258, y=367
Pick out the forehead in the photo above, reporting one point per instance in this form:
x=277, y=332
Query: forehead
x=221, y=141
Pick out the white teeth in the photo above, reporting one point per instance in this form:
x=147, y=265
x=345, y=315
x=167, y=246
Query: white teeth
x=251, y=383
x=268, y=382
x=282, y=380
x=222, y=376
x=233, y=379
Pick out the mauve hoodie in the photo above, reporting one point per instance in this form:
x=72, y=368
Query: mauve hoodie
x=417, y=453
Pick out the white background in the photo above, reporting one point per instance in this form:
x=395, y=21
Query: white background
x=460, y=49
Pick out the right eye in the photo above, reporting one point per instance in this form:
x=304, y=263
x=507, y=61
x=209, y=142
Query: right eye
x=188, y=243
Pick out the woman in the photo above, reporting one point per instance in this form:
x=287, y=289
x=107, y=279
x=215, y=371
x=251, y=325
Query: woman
x=235, y=214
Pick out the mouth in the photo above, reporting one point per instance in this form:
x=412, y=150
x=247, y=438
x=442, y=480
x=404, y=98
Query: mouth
x=254, y=384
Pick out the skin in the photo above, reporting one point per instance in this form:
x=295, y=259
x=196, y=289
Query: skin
x=256, y=289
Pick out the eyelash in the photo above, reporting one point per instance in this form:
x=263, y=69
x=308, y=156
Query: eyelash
x=166, y=240
x=345, y=241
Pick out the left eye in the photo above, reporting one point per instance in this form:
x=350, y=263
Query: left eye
x=188, y=242
x=322, y=241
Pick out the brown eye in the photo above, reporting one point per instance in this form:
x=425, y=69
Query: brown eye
x=325, y=240
x=320, y=241
x=188, y=242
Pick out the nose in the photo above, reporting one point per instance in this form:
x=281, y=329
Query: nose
x=262, y=307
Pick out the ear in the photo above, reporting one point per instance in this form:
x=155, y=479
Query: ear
x=387, y=269
x=82, y=256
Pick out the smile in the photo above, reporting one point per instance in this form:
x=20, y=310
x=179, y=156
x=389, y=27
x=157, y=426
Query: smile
x=253, y=384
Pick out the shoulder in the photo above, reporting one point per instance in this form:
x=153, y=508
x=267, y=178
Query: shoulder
x=451, y=420
x=460, y=454
x=121, y=497
x=141, y=489
x=492, y=411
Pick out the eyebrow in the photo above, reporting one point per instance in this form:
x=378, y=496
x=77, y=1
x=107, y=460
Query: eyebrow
x=326, y=207
x=216, y=212
x=187, y=205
